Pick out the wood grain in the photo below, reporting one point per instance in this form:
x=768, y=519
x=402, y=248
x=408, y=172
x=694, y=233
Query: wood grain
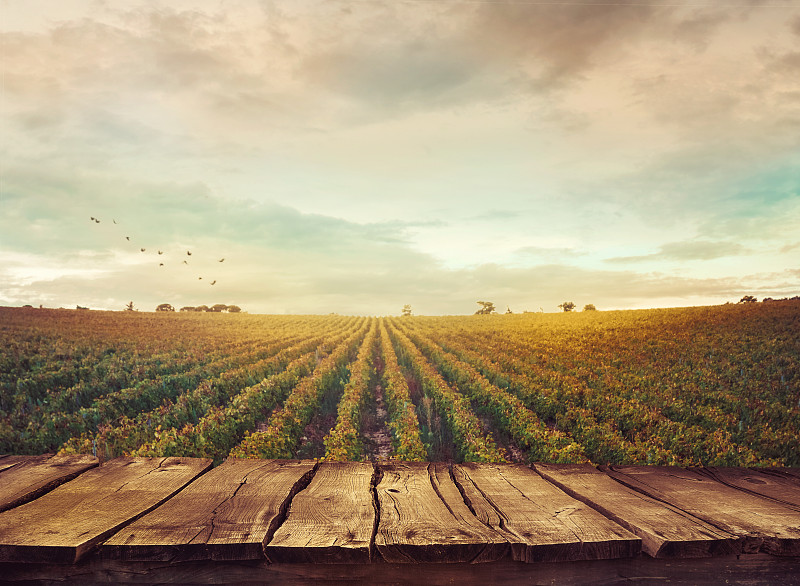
x=782, y=488
x=756, y=569
x=790, y=473
x=541, y=521
x=666, y=532
x=759, y=523
x=9, y=461
x=226, y=514
x=331, y=521
x=28, y=478
x=65, y=524
x=423, y=518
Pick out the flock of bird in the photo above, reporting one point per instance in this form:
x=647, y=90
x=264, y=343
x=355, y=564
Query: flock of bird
x=160, y=252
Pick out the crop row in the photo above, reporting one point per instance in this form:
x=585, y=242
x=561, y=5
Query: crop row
x=473, y=444
x=508, y=412
x=130, y=434
x=619, y=386
x=344, y=442
x=403, y=418
x=712, y=386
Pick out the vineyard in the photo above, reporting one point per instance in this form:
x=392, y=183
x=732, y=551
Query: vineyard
x=717, y=386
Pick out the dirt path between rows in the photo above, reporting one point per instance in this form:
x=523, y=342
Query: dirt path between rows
x=377, y=439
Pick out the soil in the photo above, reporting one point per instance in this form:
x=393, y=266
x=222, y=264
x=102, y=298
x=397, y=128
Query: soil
x=513, y=452
x=312, y=444
x=414, y=389
x=377, y=440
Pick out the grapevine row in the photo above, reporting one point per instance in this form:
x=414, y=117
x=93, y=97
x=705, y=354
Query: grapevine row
x=470, y=439
x=344, y=440
x=286, y=424
x=132, y=432
x=403, y=421
x=508, y=412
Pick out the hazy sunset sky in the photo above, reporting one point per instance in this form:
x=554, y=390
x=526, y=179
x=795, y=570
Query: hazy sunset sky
x=353, y=156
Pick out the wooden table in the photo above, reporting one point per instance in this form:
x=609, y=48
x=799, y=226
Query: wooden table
x=143, y=520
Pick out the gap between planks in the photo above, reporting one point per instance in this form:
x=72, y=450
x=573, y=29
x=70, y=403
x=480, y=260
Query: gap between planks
x=455, y=492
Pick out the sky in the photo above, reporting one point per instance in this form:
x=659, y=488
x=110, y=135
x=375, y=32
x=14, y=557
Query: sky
x=355, y=156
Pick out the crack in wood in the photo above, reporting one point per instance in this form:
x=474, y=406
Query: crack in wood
x=717, y=478
x=438, y=492
x=500, y=515
x=283, y=511
x=121, y=486
x=600, y=509
x=463, y=494
x=95, y=543
x=377, y=475
x=740, y=540
x=217, y=508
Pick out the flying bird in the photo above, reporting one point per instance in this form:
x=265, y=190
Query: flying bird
x=91, y=218
x=142, y=249
x=199, y=278
x=161, y=264
x=186, y=262
x=128, y=238
x=96, y=221
x=214, y=281
x=189, y=252
x=160, y=252
x=220, y=260
x=113, y=220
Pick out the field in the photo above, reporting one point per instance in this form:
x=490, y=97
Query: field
x=705, y=385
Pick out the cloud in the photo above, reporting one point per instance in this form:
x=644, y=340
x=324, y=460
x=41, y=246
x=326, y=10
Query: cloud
x=43, y=215
x=555, y=44
x=548, y=253
x=698, y=28
x=688, y=251
x=411, y=72
x=784, y=64
x=497, y=215
x=357, y=156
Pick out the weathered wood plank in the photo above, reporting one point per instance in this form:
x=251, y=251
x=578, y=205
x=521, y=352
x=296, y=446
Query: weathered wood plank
x=66, y=523
x=7, y=462
x=784, y=472
x=331, y=521
x=781, y=488
x=423, y=518
x=226, y=514
x=759, y=523
x=723, y=571
x=27, y=479
x=664, y=530
x=541, y=521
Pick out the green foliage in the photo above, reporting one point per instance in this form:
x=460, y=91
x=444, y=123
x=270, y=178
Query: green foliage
x=403, y=421
x=344, y=441
x=472, y=443
x=287, y=424
x=694, y=386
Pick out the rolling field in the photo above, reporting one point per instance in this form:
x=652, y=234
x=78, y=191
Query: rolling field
x=705, y=385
